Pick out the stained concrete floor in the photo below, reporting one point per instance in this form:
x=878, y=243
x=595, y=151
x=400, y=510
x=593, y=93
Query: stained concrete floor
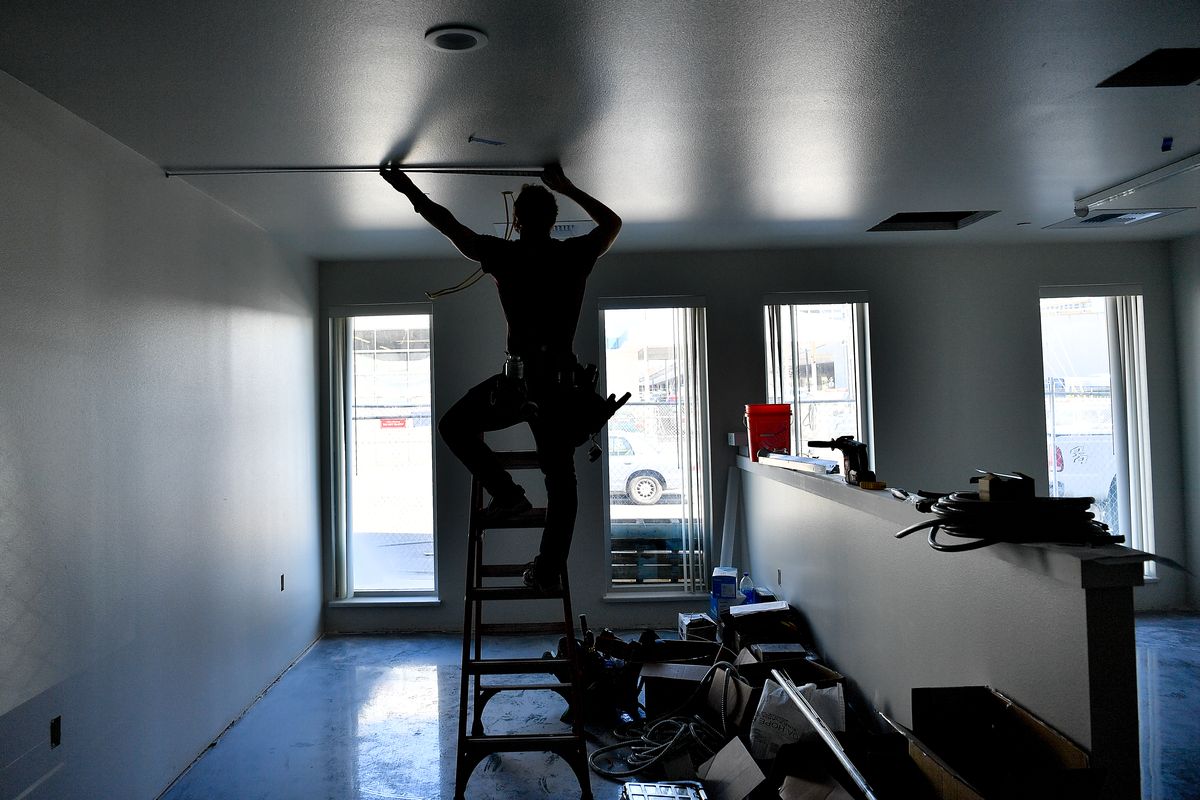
x=375, y=717
x=1168, y=664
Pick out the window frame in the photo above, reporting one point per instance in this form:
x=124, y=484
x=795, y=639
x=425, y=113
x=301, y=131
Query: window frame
x=696, y=578
x=341, y=377
x=1129, y=383
x=859, y=301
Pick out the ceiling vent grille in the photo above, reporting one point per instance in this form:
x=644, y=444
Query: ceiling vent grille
x=1117, y=218
x=1168, y=66
x=563, y=229
x=931, y=220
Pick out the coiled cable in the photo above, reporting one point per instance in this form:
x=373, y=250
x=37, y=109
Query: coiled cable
x=1065, y=520
x=672, y=732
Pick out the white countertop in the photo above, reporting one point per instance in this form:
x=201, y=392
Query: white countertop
x=1077, y=565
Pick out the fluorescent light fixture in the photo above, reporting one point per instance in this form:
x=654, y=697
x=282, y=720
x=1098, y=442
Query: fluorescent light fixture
x=1116, y=218
x=1085, y=205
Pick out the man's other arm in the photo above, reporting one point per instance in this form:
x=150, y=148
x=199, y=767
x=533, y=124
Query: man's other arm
x=468, y=242
x=608, y=224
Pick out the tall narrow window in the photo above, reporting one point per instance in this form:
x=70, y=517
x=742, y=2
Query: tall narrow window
x=1097, y=420
x=385, y=457
x=817, y=362
x=657, y=457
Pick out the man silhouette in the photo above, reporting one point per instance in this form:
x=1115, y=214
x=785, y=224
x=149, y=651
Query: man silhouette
x=540, y=281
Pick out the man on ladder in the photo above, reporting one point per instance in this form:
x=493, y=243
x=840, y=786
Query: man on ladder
x=540, y=281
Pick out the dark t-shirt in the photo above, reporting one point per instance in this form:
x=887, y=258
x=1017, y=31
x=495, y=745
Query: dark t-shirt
x=541, y=286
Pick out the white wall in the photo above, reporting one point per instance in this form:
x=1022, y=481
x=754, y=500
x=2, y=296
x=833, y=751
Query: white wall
x=1185, y=258
x=956, y=363
x=157, y=461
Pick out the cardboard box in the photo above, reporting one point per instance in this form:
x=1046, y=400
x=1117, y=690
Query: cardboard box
x=724, y=583
x=732, y=701
x=697, y=627
x=718, y=606
x=731, y=774
x=773, y=651
x=670, y=686
x=800, y=670
x=971, y=742
x=795, y=788
x=724, y=593
x=744, y=625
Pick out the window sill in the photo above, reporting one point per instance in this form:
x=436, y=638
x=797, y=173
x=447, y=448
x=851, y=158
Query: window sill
x=656, y=597
x=386, y=601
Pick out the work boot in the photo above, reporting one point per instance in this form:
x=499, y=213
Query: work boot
x=502, y=508
x=542, y=576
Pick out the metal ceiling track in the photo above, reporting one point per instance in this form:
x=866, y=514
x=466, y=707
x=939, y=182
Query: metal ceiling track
x=1085, y=205
x=190, y=172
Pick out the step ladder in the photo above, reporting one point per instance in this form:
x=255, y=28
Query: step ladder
x=481, y=587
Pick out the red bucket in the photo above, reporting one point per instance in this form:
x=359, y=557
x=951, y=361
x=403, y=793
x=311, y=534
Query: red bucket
x=769, y=426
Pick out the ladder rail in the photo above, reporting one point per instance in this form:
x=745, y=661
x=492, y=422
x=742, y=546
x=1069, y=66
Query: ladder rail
x=474, y=693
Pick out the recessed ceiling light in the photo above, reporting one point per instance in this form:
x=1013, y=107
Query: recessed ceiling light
x=455, y=39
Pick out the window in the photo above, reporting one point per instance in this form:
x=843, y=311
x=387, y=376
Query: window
x=383, y=454
x=1097, y=423
x=817, y=362
x=656, y=461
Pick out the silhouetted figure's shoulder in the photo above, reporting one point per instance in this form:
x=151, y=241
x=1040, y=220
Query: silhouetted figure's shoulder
x=576, y=254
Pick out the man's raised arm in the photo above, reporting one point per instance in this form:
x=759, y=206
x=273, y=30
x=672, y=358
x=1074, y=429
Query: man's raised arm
x=468, y=242
x=608, y=224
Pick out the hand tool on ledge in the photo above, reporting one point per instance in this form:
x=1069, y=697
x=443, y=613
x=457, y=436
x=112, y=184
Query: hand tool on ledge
x=855, y=463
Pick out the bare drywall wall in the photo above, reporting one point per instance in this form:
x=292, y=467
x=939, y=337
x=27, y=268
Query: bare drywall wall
x=956, y=370
x=157, y=461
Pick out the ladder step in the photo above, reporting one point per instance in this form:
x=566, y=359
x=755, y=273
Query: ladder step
x=525, y=687
x=515, y=666
x=533, y=518
x=509, y=628
x=518, y=459
x=501, y=570
x=514, y=743
x=510, y=593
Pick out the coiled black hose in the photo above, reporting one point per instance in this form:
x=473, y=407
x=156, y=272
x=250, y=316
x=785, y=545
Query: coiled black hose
x=1063, y=520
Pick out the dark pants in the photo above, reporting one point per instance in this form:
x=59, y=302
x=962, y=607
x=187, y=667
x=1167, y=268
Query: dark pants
x=500, y=403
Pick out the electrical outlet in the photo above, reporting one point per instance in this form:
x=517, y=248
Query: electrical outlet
x=281, y=583
x=55, y=732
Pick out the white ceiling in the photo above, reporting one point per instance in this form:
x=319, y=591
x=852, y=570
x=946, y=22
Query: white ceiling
x=704, y=124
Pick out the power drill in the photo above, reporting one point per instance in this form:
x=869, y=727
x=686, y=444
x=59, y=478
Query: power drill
x=854, y=458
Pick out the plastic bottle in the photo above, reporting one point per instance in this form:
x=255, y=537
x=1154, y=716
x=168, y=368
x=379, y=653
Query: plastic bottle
x=746, y=587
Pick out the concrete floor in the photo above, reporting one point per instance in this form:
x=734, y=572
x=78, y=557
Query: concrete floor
x=1168, y=656
x=373, y=717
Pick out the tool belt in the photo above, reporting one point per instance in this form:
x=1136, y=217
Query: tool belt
x=543, y=369
x=558, y=379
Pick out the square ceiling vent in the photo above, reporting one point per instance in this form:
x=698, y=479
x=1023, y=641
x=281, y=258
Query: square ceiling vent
x=1167, y=66
x=931, y=220
x=1117, y=218
x=563, y=229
